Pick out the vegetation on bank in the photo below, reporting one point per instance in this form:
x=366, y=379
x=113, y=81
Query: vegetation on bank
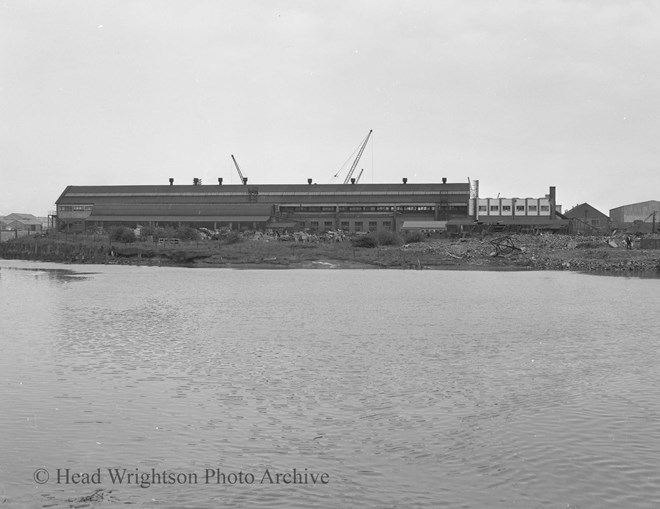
x=383, y=250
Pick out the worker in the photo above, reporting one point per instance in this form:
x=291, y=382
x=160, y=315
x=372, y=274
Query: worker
x=628, y=242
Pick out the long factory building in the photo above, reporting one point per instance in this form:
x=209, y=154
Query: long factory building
x=317, y=207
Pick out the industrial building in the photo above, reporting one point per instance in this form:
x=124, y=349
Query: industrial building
x=642, y=212
x=587, y=220
x=352, y=207
x=519, y=213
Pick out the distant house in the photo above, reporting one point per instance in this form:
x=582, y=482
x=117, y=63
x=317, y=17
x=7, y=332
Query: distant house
x=587, y=220
x=23, y=223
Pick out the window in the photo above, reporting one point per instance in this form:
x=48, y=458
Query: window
x=494, y=208
x=344, y=225
x=327, y=225
x=532, y=208
x=545, y=208
x=373, y=225
x=483, y=208
x=595, y=222
x=314, y=225
x=358, y=226
x=520, y=208
x=387, y=225
x=506, y=208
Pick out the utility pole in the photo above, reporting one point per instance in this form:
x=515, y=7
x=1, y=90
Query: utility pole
x=653, y=228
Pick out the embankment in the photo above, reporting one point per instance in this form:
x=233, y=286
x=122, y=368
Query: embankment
x=515, y=252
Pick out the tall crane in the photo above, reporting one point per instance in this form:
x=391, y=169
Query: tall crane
x=357, y=180
x=238, y=169
x=357, y=159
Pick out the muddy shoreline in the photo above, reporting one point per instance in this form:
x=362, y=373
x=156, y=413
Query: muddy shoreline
x=509, y=253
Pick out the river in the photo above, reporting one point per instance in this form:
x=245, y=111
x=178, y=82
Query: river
x=205, y=388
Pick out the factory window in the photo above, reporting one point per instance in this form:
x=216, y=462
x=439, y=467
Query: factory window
x=344, y=225
x=506, y=208
x=327, y=209
x=327, y=225
x=314, y=225
x=387, y=225
x=483, y=208
x=358, y=226
x=383, y=209
x=494, y=208
x=595, y=222
x=373, y=225
x=532, y=208
x=545, y=208
x=520, y=208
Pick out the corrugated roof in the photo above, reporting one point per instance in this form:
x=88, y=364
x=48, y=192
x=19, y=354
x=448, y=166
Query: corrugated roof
x=174, y=219
x=424, y=225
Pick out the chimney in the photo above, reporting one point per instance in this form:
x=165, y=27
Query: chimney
x=444, y=180
x=171, y=181
x=553, y=202
x=195, y=181
x=219, y=181
x=245, y=181
x=309, y=181
x=353, y=181
x=405, y=180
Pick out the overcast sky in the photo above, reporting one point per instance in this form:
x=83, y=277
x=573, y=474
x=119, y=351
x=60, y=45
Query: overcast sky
x=520, y=95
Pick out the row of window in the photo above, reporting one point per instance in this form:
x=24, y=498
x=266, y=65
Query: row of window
x=519, y=208
x=358, y=226
x=75, y=208
x=367, y=208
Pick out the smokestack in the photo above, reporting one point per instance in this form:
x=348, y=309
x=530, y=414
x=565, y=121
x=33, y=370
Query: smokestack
x=309, y=181
x=405, y=180
x=244, y=181
x=219, y=181
x=444, y=180
x=171, y=181
x=553, y=202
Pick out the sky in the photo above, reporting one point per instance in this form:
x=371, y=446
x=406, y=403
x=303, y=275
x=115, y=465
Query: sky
x=519, y=94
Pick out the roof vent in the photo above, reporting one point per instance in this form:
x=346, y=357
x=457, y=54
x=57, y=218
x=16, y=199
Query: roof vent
x=171, y=181
x=444, y=180
x=219, y=181
x=405, y=180
x=245, y=181
x=309, y=181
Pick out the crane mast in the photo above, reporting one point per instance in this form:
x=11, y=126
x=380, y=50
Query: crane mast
x=238, y=169
x=357, y=159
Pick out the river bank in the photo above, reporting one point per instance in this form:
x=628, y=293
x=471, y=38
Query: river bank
x=505, y=252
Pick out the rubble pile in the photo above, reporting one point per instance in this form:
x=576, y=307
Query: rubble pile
x=540, y=252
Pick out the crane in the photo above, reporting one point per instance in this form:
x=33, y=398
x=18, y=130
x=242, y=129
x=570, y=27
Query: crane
x=357, y=159
x=240, y=174
x=363, y=144
x=357, y=180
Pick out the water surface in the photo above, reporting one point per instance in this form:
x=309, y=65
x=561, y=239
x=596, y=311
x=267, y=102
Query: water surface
x=407, y=388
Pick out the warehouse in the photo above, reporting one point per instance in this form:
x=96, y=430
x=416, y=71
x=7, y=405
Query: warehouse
x=317, y=207
x=627, y=215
